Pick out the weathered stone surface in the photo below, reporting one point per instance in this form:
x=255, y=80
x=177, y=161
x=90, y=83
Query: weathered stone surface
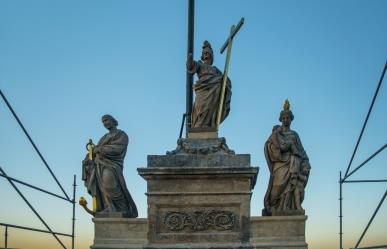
x=287, y=212
x=210, y=205
x=201, y=146
x=270, y=232
x=187, y=161
x=278, y=232
x=120, y=233
x=203, y=134
x=110, y=215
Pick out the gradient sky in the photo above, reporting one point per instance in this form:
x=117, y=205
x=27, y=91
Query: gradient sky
x=63, y=64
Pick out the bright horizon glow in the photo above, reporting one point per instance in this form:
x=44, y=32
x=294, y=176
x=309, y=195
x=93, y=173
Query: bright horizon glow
x=65, y=64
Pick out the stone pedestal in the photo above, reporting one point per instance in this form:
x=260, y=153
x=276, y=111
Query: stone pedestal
x=120, y=233
x=278, y=232
x=269, y=232
x=199, y=196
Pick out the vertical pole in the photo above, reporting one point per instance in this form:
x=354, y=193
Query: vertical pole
x=73, y=228
x=189, y=77
x=341, y=211
x=6, y=237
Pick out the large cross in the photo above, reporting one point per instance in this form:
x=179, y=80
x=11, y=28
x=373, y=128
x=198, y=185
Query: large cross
x=228, y=44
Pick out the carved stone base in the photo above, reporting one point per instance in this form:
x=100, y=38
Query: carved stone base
x=278, y=232
x=198, y=205
x=120, y=233
x=270, y=232
x=199, y=201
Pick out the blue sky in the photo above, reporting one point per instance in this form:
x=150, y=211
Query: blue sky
x=63, y=64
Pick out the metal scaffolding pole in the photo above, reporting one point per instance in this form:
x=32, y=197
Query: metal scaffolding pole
x=341, y=211
x=366, y=119
x=73, y=219
x=6, y=237
x=372, y=218
x=33, y=209
x=33, y=144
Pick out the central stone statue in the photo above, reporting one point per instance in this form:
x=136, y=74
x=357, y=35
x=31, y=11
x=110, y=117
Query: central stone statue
x=103, y=174
x=207, y=90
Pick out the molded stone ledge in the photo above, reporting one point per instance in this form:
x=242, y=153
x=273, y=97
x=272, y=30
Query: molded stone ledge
x=213, y=160
x=200, y=246
x=197, y=171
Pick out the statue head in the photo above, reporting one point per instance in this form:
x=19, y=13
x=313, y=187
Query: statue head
x=286, y=116
x=109, y=122
x=207, y=53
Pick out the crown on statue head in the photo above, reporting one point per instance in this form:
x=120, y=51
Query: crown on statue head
x=287, y=105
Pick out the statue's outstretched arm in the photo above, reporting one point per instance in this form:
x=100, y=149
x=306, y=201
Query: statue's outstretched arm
x=191, y=64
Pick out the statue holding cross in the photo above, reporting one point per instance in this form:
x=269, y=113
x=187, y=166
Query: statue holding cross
x=213, y=88
x=207, y=90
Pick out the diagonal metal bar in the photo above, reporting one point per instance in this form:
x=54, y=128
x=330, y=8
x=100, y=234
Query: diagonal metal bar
x=34, y=187
x=364, y=181
x=33, y=209
x=372, y=247
x=33, y=144
x=366, y=120
x=372, y=218
x=366, y=161
x=32, y=229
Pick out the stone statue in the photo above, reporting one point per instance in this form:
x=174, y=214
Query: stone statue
x=207, y=90
x=289, y=169
x=103, y=174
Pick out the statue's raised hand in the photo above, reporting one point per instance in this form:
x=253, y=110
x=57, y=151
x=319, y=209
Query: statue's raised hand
x=190, y=62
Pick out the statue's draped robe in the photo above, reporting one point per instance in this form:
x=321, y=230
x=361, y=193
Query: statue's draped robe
x=207, y=90
x=104, y=178
x=284, y=159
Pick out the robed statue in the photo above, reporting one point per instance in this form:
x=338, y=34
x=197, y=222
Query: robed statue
x=289, y=168
x=208, y=90
x=103, y=173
